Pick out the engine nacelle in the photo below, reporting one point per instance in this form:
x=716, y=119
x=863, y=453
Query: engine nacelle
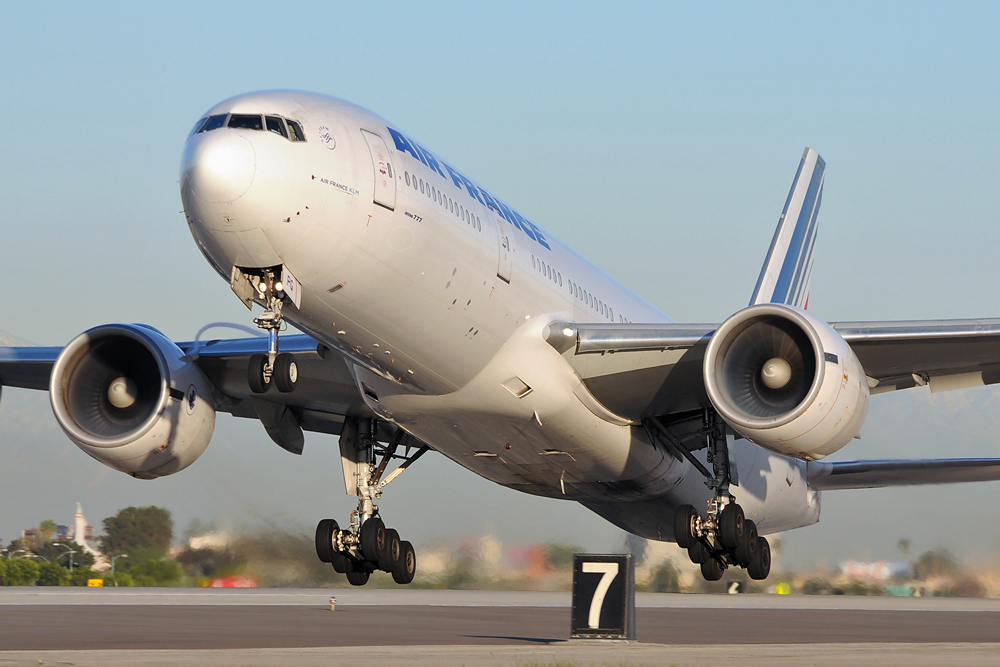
x=125, y=396
x=786, y=380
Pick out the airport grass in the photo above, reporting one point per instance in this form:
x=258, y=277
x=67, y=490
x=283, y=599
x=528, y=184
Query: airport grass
x=566, y=663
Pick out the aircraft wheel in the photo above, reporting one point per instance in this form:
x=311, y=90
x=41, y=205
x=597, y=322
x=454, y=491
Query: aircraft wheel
x=712, y=569
x=684, y=526
x=760, y=566
x=358, y=577
x=286, y=373
x=731, y=525
x=389, y=560
x=407, y=564
x=697, y=552
x=341, y=562
x=373, y=539
x=747, y=548
x=255, y=374
x=326, y=530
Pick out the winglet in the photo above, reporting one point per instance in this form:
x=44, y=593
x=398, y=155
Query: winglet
x=784, y=277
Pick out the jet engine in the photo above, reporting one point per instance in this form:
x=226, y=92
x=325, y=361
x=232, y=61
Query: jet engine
x=125, y=396
x=786, y=380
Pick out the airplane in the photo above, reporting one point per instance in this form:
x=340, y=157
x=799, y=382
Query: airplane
x=435, y=316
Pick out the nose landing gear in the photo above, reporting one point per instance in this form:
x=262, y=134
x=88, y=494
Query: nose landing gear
x=273, y=367
x=367, y=545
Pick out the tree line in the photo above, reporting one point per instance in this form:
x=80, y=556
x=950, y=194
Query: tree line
x=136, y=541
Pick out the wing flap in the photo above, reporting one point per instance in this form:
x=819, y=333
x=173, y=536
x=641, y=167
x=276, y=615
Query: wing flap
x=946, y=354
x=876, y=474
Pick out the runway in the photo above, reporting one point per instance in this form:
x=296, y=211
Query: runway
x=212, y=627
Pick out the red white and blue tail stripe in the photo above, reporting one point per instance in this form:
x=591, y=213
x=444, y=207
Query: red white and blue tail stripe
x=784, y=277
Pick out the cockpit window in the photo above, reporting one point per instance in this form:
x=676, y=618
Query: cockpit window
x=197, y=126
x=213, y=123
x=242, y=121
x=295, y=130
x=276, y=125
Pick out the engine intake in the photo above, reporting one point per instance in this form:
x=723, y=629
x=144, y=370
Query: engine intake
x=786, y=380
x=124, y=395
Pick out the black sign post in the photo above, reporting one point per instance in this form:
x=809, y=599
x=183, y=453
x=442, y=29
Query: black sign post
x=603, y=597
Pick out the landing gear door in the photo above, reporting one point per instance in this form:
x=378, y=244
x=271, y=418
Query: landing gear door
x=385, y=179
x=506, y=244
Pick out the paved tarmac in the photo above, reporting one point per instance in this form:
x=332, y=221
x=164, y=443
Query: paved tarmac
x=278, y=627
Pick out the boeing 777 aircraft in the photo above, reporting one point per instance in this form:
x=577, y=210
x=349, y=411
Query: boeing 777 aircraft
x=435, y=316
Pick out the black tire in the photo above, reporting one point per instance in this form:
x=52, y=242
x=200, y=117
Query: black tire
x=286, y=373
x=760, y=566
x=326, y=530
x=712, y=569
x=407, y=568
x=341, y=562
x=358, y=577
x=372, y=539
x=389, y=560
x=731, y=526
x=684, y=526
x=698, y=552
x=747, y=548
x=255, y=374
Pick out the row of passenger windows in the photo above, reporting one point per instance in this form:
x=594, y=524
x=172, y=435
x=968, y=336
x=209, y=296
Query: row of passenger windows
x=444, y=200
x=289, y=129
x=575, y=290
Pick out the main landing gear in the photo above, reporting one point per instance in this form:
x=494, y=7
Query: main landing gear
x=367, y=545
x=726, y=537
x=264, y=370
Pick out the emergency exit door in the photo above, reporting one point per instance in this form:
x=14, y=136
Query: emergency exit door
x=385, y=179
x=506, y=244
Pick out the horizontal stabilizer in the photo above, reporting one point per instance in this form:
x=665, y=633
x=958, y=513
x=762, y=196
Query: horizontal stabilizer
x=876, y=474
x=784, y=278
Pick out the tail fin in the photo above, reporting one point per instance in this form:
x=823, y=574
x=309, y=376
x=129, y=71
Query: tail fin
x=784, y=277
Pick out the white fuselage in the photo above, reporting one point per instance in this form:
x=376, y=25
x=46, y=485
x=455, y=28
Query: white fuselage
x=439, y=294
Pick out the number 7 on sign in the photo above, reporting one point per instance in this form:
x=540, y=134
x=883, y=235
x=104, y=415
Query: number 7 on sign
x=610, y=571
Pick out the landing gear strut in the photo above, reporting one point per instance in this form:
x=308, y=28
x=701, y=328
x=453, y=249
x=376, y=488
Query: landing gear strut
x=725, y=537
x=367, y=545
x=273, y=367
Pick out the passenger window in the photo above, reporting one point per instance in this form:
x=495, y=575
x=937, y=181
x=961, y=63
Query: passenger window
x=559, y=276
x=532, y=261
x=407, y=174
x=244, y=121
x=213, y=123
x=421, y=186
x=479, y=225
x=295, y=130
x=276, y=125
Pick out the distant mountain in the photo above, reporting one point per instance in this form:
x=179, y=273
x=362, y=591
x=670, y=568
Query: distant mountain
x=7, y=340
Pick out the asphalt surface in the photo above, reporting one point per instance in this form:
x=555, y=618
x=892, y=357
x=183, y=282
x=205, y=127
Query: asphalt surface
x=30, y=627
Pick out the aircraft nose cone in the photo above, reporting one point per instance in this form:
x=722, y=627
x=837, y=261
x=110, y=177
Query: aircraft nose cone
x=219, y=167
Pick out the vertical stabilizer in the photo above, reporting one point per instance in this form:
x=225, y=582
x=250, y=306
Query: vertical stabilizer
x=784, y=277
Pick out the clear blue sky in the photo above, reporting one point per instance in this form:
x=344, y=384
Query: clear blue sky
x=658, y=139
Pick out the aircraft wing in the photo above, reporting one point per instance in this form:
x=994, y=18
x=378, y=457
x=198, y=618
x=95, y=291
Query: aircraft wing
x=326, y=390
x=652, y=370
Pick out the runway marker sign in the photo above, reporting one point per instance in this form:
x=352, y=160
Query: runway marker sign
x=603, y=597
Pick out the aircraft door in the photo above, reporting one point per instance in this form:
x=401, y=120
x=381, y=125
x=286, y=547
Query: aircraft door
x=385, y=179
x=506, y=244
